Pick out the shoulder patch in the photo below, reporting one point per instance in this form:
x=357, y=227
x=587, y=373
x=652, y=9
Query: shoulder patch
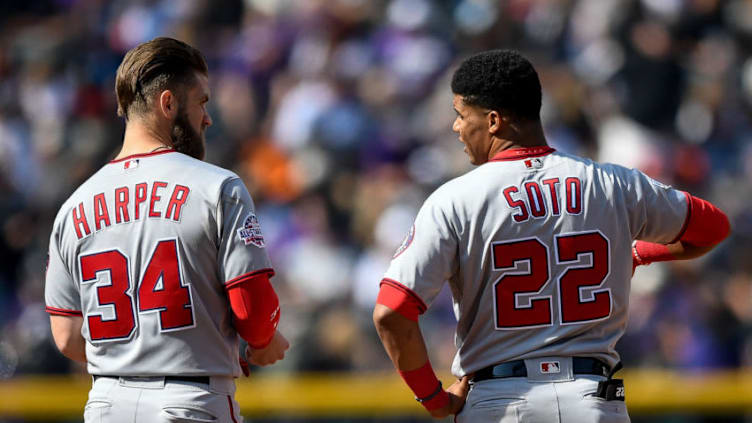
x=405, y=242
x=250, y=233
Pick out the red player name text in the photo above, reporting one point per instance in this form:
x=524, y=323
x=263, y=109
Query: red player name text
x=129, y=203
x=540, y=199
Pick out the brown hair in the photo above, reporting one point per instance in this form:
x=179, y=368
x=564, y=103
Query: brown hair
x=149, y=68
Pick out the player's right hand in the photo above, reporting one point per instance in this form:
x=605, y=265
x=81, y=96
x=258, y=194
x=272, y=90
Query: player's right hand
x=457, y=396
x=270, y=354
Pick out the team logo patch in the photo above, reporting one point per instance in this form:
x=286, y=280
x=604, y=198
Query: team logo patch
x=534, y=163
x=250, y=233
x=405, y=242
x=548, y=367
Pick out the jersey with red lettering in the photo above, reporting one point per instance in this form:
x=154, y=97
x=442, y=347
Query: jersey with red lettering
x=143, y=251
x=536, y=247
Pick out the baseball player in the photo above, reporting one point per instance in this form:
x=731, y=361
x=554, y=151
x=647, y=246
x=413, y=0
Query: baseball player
x=157, y=262
x=537, y=248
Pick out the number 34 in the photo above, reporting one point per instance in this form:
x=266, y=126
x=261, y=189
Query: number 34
x=575, y=306
x=161, y=290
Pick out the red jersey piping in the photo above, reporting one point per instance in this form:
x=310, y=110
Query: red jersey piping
x=135, y=156
x=522, y=153
x=62, y=312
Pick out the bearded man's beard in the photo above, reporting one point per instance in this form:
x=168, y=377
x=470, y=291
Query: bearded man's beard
x=185, y=139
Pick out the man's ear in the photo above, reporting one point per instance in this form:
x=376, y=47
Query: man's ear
x=168, y=104
x=495, y=121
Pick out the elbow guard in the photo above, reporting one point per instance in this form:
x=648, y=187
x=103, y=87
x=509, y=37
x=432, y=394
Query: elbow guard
x=255, y=309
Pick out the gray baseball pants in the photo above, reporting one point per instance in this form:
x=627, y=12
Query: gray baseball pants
x=153, y=399
x=541, y=398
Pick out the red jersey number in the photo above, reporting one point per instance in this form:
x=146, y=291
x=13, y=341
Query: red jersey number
x=509, y=313
x=160, y=289
x=121, y=325
x=514, y=311
x=576, y=307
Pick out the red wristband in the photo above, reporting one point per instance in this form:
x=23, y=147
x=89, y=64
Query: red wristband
x=426, y=386
x=648, y=252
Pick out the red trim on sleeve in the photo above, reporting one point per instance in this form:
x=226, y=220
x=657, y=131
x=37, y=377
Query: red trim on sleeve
x=422, y=307
x=707, y=226
x=522, y=153
x=62, y=312
x=135, y=156
x=247, y=276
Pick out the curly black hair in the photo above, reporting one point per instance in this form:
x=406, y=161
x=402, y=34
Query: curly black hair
x=501, y=80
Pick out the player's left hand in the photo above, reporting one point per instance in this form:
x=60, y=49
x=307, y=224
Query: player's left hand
x=457, y=395
x=270, y=354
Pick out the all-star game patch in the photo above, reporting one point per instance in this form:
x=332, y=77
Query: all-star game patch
x=250, y=233
x=405, y=242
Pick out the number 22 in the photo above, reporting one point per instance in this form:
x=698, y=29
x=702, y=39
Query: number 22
x=574, y=307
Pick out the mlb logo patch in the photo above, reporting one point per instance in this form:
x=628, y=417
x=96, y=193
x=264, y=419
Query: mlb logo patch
x=130, y=164
x=534, y=163
x=549, y=367
x=250, y=233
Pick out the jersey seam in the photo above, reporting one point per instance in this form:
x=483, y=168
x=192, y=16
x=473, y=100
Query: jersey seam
x=60, y=254
x=685, y=225
x=220, y=210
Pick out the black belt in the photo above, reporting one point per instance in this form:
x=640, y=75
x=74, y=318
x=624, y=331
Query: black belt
x=516, y=368
x=194, y=379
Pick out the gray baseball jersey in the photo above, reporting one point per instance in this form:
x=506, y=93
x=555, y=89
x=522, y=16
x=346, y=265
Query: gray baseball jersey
x=143, y=251
x=536, y=247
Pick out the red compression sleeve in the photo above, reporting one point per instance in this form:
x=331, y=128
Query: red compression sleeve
x=706, y=224
x=255, y=309
x=426, y=386
x=400, y=299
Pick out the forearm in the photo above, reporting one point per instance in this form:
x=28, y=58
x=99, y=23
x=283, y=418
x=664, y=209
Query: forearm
x=401, y=337
x=76, y=350
x=66, y=331
x=405, y=346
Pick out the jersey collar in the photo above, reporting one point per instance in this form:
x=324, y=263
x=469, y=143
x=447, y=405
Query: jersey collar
x=136, y=156
x=522, y=153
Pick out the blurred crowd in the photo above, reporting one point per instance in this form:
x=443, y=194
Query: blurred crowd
x=337, y=114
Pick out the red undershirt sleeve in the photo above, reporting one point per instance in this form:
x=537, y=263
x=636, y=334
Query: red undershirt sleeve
x=705, y=226
x=400, y=299
x=255, y=309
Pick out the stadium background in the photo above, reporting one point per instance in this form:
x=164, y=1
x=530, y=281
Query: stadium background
x=337, y=114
